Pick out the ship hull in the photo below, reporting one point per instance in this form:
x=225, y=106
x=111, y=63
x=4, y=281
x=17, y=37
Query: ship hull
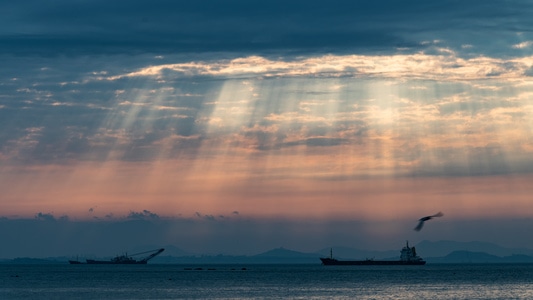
x=121, y=259
x=107, y=262
x=334, y=262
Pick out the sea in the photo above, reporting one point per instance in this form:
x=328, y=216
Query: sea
x=301, y=281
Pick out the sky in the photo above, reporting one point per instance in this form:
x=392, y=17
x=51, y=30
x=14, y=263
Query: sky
x=239, y=126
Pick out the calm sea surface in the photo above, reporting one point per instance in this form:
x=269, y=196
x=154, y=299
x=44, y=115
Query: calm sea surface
x=153, y=281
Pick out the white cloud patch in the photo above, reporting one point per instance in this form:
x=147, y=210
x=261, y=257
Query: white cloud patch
x=446, y=65
x=523, y=45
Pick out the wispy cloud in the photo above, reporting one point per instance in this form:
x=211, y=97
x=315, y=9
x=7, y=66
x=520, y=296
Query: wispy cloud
x=445, y=65
x=523, y=45
x=143, y=215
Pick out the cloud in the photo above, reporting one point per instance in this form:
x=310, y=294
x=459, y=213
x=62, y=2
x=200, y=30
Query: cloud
x=523, y=45
x=98, y=27
x=445, y=65
x=206, y=217
x=45, y=216
x=529, y=72
x=244, y=236
x=50, y=217
x=159, y=117
x=143, y=215
x=317, y=141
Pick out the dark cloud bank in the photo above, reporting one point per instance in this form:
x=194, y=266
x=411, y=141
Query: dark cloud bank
x=48, y=236
x=89, y=27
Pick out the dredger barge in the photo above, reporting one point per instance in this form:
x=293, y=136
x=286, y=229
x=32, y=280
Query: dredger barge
x=123, y=259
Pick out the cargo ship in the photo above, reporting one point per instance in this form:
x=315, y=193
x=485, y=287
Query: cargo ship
x=124, y=259
x=408, y=256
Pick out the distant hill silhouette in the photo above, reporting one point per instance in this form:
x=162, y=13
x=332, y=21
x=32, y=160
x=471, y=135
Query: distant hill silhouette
x=432, y=252
x=443, y=248
x=285, y=256
x=32, y=261
x=170, y=250
x=352, y=253
x=285, y=253
x=479, y=258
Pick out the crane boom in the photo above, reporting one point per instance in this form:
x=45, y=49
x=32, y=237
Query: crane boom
x=149, y=251
x=146, y=259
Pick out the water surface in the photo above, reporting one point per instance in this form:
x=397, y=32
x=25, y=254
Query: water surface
x=154, y=281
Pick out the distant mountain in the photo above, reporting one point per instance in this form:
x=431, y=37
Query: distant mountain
x=443, y=248
x=31, y=261
x=170, y=250
x=479, y=258
x=352, y=253
x=432, y=252
x=285, y=253
x=275, y=256
x=466, y=257
x=282, y=255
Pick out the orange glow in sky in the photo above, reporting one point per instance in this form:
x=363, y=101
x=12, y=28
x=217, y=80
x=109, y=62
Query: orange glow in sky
x=365, y=113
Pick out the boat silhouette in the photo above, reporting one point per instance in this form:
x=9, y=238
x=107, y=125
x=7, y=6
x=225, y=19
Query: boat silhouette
x=408, y=256
x=123, y=259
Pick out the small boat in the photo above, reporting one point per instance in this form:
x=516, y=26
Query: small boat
x=74, y=262
x=408, y=256
x=122, y=259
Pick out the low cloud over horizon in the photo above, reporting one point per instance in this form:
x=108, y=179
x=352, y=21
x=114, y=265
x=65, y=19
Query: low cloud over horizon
x=48, y=236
